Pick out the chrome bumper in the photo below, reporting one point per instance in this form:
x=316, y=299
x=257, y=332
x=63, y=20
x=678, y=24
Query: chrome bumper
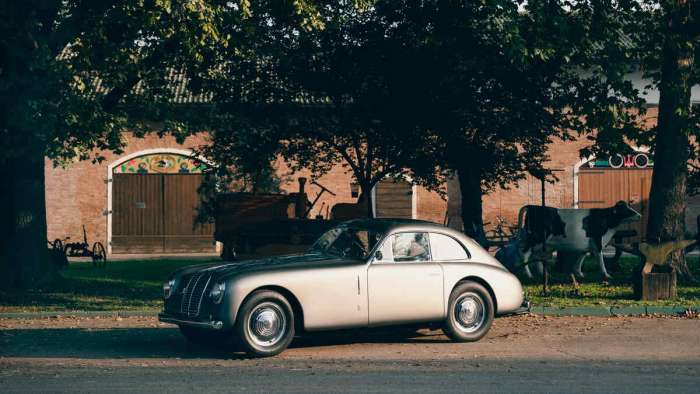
x=524, y=308
x=211, y=325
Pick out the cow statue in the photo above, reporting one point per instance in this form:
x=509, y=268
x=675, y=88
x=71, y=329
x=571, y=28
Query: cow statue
x=572, y=233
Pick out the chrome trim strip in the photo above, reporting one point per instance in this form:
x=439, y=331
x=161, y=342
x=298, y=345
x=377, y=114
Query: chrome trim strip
x=184, y=294
x=192, y=294
x=204, y=294
x=214, y=325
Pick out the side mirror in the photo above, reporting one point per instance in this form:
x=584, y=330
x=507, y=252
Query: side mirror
x=378, y=256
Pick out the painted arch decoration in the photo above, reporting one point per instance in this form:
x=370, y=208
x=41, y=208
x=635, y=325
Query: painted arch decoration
x=161, y=163
x=635, y=160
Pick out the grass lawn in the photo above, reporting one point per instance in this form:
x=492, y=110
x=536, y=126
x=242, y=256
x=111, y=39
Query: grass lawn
x=136, y=285
x=617, y=293
x=122, y=285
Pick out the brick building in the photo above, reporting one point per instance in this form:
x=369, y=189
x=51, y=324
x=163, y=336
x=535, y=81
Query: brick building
x=98, y=195
x=149, y=179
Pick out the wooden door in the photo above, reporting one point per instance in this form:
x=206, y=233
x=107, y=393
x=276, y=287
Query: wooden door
x=601, y=188
x=394, y=199
x=183, y=232
x=639, y=189
x=157, y=213
x=137, y=213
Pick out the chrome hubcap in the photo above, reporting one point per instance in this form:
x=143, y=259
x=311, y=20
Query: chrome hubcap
x=469, y=312
x=267, y=324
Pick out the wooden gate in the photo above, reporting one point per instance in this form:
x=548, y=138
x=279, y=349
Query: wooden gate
x=603, y=187
x=156, y=213
x=394, y=199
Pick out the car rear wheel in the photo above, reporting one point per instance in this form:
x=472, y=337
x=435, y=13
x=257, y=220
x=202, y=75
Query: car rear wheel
x=265, y=324
x=470, y=312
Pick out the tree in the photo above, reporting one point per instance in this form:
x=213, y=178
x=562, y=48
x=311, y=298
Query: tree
x=329, y=97
x=676, y=125
x=76, y=74
x=663, y=38
x=421, y=88
x=494, y=87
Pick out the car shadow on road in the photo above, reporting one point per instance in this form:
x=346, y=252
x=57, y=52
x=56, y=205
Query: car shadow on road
x=116, y=343
x=383, y=335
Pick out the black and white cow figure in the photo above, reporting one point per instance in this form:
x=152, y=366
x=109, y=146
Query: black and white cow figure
x=572, y=233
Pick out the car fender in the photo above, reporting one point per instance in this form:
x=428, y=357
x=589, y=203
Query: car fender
x=329, y=298
x=505, y=287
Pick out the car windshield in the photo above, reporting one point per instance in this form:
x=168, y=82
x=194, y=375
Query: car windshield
x=349, y=242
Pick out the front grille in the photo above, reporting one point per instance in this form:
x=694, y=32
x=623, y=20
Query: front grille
x=193, y=293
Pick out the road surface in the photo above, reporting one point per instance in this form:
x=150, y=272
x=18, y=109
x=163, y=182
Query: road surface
x=520, y=354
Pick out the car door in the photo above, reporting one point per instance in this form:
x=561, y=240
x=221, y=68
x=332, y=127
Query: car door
x=404, y=284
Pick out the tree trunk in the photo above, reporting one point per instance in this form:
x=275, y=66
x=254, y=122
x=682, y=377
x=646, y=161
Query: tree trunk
x=668, y=196
x=24, y=257
x=472, y=209
x=366, y=198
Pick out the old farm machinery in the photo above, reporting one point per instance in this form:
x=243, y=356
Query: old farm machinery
x=61, y=249
x=247, y=221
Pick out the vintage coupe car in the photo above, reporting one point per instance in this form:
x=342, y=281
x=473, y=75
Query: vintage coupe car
x=362, y=273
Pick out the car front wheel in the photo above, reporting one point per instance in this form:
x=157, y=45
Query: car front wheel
x=265, y=324
x=470, y=312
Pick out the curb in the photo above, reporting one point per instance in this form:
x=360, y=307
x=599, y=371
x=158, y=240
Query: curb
x=538, y=310
x=53, y=315
x=612, y=310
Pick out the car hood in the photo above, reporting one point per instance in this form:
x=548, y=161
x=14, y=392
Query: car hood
x=296, y=261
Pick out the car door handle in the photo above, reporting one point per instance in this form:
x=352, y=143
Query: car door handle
x=434, y=274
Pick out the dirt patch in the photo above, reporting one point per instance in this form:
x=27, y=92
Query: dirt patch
x=144, y=340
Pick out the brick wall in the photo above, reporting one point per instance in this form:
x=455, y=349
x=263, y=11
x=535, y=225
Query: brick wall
x=563, y=156
x=507, y=202
x=430, y=206
x=77, y=195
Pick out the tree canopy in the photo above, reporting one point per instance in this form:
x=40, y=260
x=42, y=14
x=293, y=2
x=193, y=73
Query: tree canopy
x=75, y=75
x=416, y=88
x=389, y=88
x=330, y=95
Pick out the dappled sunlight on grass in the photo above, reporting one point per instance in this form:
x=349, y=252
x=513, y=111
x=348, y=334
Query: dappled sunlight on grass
x=122, y=285
x=593, y=292
x=136, y=285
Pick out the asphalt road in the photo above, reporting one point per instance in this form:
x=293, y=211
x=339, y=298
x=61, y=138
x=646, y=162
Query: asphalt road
x=520, y=354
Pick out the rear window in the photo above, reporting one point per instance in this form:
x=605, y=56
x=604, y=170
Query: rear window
x=446, y=248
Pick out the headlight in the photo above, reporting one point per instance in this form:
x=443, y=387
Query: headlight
x=168, y=288
x=217, y=292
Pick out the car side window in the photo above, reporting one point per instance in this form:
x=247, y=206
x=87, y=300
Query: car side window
x=413, y=247
x=446, y=248
x=385, y=254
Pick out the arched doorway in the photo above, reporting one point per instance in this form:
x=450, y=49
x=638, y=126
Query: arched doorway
x=154, y=203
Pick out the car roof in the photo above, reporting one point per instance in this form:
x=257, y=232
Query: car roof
x=386, y=224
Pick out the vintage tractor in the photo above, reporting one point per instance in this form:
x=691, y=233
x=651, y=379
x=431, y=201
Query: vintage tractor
x=247, y=221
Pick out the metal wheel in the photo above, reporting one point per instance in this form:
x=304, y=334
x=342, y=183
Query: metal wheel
x=267, y=324
x=469, y=312
x=99, y=255
x=68, y=250
x=58, y=254
x=57, y=245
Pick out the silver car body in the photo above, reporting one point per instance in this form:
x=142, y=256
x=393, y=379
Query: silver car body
x=340, y=294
